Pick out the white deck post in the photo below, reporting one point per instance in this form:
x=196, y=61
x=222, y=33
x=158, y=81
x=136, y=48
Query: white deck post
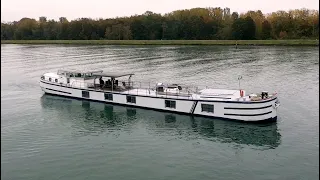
x=111, y=85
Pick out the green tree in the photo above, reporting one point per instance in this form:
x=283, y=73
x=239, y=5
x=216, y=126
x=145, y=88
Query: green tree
x=266, y=30
x=195, y=23
x=249, y=28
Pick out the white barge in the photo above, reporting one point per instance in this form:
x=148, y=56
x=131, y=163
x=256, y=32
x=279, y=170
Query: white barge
x=109, y=88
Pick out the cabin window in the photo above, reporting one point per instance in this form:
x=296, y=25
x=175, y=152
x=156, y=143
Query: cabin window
x=49, y=79
x=170, y=104
x=85, y=94
x=88, y=74
x=78, y=75
x=207, y=108
x=131, y=99
x=68, y=80
x=160, y=89
x=56, y=80
x=108, y=96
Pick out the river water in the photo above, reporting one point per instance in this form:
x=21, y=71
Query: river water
x=50, y=137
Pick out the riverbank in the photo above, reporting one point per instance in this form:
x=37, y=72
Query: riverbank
x=170, y=42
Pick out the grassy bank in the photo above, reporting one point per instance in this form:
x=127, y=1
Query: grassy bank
x=170, y=42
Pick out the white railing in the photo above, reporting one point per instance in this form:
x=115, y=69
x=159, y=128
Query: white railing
x=128, y=87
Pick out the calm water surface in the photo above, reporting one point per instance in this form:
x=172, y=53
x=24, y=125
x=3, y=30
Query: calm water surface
x=50, y=137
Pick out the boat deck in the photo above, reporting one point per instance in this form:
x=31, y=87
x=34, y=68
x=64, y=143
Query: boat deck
x=176, y=92
x=208, y=94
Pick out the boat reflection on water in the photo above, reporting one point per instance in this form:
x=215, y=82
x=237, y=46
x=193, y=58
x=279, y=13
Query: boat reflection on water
x=94, y=117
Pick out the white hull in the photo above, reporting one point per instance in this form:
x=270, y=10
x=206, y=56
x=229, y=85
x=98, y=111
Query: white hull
x=234, y=110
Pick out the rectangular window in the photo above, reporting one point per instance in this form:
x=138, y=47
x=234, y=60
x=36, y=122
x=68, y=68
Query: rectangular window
x=207, y=108
x=131, y=99
x=85, y=94
x=170, y=104
x=108, y=96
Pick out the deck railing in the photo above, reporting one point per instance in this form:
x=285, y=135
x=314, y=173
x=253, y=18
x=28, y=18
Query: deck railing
x=128, y=87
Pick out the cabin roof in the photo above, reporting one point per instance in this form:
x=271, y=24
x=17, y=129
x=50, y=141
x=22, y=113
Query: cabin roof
x=112, y=74
x=52, y=75
x=218, y=92
x=83, y=71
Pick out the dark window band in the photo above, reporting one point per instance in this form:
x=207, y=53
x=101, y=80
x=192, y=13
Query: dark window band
x=248, y=108
x=230, y=114
x=58, y=91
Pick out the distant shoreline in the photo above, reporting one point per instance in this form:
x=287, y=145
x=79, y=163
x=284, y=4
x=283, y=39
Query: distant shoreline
x=171, y=42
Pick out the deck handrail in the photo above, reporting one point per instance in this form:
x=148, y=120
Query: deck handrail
x=129, y=85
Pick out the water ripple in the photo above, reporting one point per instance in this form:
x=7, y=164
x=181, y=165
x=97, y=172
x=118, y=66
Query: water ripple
x=42, y=134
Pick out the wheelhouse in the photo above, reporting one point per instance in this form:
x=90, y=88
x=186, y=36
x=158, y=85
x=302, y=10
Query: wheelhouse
x=89, y=79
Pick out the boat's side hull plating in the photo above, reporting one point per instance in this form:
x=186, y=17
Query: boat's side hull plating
x=234, y=110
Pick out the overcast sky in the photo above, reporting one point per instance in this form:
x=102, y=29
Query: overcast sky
x=14, y=10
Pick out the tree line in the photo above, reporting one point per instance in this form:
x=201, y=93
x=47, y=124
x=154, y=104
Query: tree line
x=189, y=24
